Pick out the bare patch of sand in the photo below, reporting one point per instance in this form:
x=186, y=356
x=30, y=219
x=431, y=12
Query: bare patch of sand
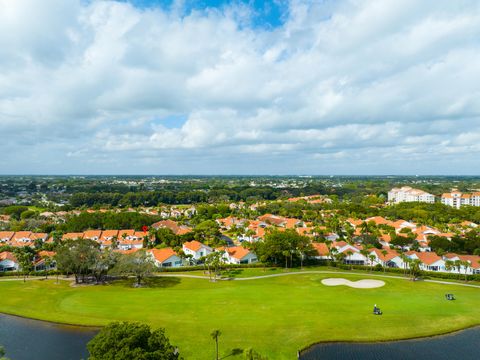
x=360, y=284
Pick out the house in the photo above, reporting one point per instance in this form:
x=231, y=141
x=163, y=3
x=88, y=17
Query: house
x=196, y=249
x=6, y=236
x=92, y=234
x=8, y=261
x=39, y=263
x=130, y=239
x=165, y=257
x=430, y=261
x=322, y=251
x=239, y=255
x=173, y=226
x=72, y=236
x=390, y=259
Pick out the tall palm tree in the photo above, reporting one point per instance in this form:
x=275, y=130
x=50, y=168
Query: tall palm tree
x=215, y=334
x=372, y=259
x=384, y=253
x=365, y=253
x=349, y=254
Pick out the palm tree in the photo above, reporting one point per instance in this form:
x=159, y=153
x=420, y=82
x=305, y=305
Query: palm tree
x=384, y=253
x=215, y=334
x=449, y=265
x=286, y=254
x=365, y=253
x=372, y=259
x=349, y=254
x=466, y=266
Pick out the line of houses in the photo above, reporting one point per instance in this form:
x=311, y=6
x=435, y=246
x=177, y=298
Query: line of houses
x=357, y=254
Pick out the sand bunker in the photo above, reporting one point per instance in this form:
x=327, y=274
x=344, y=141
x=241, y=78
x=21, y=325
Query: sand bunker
x=360, y=284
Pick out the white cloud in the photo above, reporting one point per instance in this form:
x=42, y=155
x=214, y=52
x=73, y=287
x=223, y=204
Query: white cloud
x=342, y=86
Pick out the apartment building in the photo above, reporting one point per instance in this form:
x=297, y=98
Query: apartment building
x=457, y=199
x=409, y=194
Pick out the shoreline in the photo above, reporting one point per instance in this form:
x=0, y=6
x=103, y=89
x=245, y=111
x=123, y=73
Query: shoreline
x=373, y=342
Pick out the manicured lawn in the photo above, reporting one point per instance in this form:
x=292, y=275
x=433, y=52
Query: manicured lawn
x=276, y=316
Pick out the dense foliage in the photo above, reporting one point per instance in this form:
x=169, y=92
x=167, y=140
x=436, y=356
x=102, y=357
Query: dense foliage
x=127, y=341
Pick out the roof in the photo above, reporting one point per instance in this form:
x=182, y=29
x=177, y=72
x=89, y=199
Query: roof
x=321, y=248
x=90, y=234
x=237, y=252
x=72, y=236
x=7, y=255
x=193, y=245
x=6, y=234
x=162, y=254
x=391, y=254
x=428, y=258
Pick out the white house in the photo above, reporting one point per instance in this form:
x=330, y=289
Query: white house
x=196, y=249
x=239, y=255
x=165, y=257
x=8, y=261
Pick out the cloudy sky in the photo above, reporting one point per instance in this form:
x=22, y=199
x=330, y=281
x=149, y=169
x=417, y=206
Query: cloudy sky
x=239, y=87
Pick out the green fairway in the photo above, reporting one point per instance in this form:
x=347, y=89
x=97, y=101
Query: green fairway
x=276, y=316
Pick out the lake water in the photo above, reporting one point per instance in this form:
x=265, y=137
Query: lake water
x=463, y=345
x=25, y=339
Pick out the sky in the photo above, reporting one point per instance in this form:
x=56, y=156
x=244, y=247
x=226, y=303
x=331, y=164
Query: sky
x=240, y=87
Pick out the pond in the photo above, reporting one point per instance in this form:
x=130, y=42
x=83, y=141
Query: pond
x=25, y=339
x=463, y=345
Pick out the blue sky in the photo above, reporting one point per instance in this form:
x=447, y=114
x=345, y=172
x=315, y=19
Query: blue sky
x=240, y=87
x=268, y=13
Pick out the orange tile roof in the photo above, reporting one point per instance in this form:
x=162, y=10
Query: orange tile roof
x=238, y=252
x=72, y=236
x=321, y=248
x=7, y=235
x=193, y=245
x=7, y=255
x=162, y=254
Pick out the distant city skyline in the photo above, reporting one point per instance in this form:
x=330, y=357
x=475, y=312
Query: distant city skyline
x=240, y=87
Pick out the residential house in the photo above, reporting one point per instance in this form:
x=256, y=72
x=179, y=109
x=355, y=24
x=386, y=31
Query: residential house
x=165, y=257
x=196, y=249
x=8, y=261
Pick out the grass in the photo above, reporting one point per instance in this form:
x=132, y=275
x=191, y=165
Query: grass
x=275, y=316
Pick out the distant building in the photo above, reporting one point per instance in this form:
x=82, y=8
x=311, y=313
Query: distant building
x=408, y=194
x=457, y=199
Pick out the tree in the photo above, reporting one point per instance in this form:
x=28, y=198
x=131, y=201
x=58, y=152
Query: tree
x=77, y=257
x=126, y=341
x=215, y=334
x=24, y=257
x=251, y=354
x=384, y=253
x=2, y=353
x=466, y=267
x=372, y=259
x=214, y=262
x=139, y=264
x=349, y=255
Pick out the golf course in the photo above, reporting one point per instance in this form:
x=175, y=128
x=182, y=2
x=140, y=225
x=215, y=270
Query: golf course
x=276, y=315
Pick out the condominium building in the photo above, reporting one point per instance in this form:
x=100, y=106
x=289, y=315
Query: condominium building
x=408, y=194
x=457, y=199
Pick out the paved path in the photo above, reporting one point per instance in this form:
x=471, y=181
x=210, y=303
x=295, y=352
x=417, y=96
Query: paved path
x=268, y=276
x=317, y=272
